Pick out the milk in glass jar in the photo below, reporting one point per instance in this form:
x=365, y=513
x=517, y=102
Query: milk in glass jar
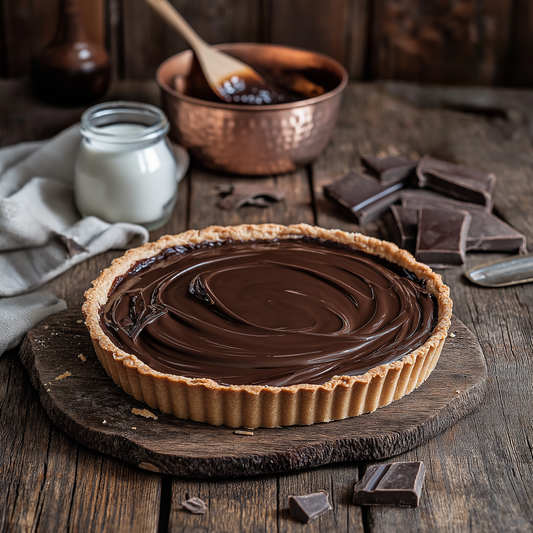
x=125, y=170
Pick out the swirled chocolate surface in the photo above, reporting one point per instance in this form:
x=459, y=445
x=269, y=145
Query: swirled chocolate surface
x=268, y=313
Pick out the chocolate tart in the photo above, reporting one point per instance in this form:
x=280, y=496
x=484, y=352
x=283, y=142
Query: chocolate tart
x=247, y=359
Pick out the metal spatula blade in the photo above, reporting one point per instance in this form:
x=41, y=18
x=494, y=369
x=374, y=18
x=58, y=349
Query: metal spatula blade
x=504, y=272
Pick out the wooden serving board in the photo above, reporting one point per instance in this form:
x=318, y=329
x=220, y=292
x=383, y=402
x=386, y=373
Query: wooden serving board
x=93, y=410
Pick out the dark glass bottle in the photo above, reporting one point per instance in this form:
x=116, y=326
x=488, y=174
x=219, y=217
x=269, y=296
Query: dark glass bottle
x=71, y=70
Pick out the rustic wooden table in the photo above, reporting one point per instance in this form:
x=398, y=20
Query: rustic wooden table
x=479, y=472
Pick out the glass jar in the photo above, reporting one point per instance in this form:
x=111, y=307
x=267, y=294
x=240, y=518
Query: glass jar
x=125, y=170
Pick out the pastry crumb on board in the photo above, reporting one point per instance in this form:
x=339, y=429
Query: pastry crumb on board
x=144, y=412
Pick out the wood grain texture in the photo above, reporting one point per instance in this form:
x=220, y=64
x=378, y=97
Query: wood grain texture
x=50, y=483
x=326, y=31
x=463, y=42
x=80, y=403
x=148, y=41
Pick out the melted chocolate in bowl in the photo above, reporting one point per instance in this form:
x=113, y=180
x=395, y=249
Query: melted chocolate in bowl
x=279, y=85
x=274, y=313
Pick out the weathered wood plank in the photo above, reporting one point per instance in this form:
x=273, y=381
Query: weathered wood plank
x=519, y=69
x=50, y=483
x=338, y=481
x=236, y=505
x=325, y=31
x=148, y=41
x=462, y=42
x=295, y=208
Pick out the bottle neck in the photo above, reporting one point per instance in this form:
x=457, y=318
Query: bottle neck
x=70, y=28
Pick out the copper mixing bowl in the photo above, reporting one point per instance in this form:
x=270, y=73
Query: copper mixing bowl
x=253, y=139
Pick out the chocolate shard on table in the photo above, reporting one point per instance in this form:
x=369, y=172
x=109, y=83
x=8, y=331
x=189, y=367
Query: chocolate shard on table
x=398, y=484
x=486, y=233
x=362, y=196
x=404, y=226
x=458, y=181
x=310, y=506
x=239, y=194
x=441, y=238
x=390, y=169
x=195, y=505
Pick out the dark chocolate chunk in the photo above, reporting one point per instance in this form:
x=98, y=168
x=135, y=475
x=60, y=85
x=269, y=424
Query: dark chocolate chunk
x=308, y=507
x=390, y=169
x=239, y=194
x=362, y=196
x=441, y=238
x=195, y=505
x=397, y=484
x=486, y=232
x=457, y=181
x=404, y=226
x=73, y=248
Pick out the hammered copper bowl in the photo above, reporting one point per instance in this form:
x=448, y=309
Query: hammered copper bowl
x=253, y=139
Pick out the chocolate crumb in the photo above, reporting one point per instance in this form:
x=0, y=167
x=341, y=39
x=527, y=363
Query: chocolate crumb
x=310, y=506
x=195, y=505
x=144, y=412
x=73, y=248
x=239, y=194
x=63, y=376
x=241, y=432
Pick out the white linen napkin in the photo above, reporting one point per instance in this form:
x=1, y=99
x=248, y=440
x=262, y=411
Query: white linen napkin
x=42, y=233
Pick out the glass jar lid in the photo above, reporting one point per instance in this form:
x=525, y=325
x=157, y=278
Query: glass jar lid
x=97, y=122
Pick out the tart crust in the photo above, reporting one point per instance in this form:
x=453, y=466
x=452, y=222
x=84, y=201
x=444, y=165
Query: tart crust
x=252, y=406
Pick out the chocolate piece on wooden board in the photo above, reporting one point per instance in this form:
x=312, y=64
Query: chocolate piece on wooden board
x=362, y=196
x=404, y=226
x=398, y=484
x=486, y=232
x=195, y=505
x=390, y=169
x=310, y=506
x=239, y=194
x=458, y=181
x=441, y=238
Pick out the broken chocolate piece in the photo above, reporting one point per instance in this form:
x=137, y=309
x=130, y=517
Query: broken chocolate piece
x=486, y=232
x=390, y=169
x=397, y=484
x=308, y=507
x=404, y=226
x=239, y=194
x=362, y=196
x=73, y=248
x=195, y=505
x=458, y=181
x=441, y=238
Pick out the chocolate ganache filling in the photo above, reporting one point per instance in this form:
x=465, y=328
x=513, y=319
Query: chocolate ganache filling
x=275, y=313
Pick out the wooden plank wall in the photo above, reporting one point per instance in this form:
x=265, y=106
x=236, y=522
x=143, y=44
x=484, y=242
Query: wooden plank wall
x=474, y=42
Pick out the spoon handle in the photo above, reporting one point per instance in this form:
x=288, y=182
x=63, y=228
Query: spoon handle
x=168, y=13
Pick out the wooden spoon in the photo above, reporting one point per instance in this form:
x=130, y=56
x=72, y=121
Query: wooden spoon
x=224, y=73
